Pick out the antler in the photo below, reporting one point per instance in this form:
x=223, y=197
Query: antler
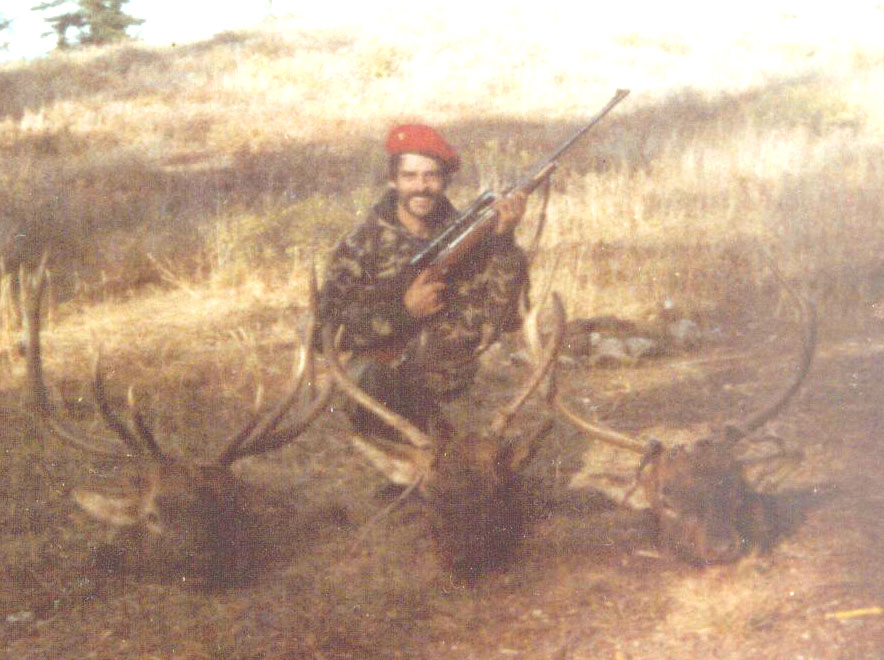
x=603, y=433
x=31, y=291
x=408, y=430
x=262, y=434
x=736, y=431
x=544, y=356
x=143, y=437
x=600, y=432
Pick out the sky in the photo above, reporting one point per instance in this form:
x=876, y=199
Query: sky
x=165, y=22
x=183, y=21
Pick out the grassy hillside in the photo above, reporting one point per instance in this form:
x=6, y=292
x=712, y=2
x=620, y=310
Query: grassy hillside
x=225, y=162
x=182, y=192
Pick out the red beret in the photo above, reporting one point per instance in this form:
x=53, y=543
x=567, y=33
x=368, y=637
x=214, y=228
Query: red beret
x=420, y=139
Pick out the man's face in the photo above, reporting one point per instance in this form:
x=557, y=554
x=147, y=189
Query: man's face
x=419, y=183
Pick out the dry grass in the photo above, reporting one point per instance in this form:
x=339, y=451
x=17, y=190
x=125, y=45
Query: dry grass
x=230, y=160
x=183, y=193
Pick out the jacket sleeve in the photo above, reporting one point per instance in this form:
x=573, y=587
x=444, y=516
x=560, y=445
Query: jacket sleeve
x=505, y=277
x=363, y=294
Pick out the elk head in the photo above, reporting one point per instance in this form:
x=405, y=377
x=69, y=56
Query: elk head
x=179, y=518
x=472, y=484
x=706, y=507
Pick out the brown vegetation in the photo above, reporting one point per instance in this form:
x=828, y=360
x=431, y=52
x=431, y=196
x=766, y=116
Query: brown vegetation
x=134, y=165
x=181, y=194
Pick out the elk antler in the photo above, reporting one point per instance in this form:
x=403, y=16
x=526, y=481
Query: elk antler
x=408, y=430
x=143, y=438
x=598, y=431
x=544, y=356
x=141, y=426
x=31, y=291
x=406, y=464
x=736, y=431
x=262, y=434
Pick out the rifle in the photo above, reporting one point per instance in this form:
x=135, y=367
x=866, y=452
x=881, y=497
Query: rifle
x=479, y=219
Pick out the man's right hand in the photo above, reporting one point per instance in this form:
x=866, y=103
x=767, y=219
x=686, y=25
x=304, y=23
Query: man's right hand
x=424, y=296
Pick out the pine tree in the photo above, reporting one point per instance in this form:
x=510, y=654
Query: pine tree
x=95, y=22
x=4, y=25
x=106, y=20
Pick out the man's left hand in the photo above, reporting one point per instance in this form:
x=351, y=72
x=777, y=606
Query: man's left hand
x=510, y=210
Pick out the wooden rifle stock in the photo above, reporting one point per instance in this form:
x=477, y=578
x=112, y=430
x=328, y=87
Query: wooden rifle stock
x=483, y=225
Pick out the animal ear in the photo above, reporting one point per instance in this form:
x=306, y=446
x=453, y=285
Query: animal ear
x=516, y=455
x=116, y=511
x=402, y=464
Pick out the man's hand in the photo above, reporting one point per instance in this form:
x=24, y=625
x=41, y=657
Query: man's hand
x=510, y=210
x=424, y=296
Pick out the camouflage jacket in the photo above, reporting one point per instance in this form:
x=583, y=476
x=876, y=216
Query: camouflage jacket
x=363, y=291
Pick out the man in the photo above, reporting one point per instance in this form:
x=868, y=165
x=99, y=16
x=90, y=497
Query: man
x=417, y=342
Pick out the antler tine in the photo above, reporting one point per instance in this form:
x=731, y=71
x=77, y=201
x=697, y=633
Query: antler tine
x=545, y=359
x=31, y=294
x=411, y=432
x=602, y=433
x=142, y=428
x=531, y=322
x=282, y=436
x=530, y=329
x=599, y=432
x=113, y=422
x=807, y=312
x=258, y=436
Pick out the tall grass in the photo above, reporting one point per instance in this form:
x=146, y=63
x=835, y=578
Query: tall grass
x=8, y=318
x=236, y=161
x=683, y=226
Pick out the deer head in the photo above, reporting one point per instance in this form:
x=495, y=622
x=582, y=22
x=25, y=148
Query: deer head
x=183, y=519
x=472, y=484
x=706, y=507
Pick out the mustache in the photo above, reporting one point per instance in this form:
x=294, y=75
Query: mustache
x=420, y=195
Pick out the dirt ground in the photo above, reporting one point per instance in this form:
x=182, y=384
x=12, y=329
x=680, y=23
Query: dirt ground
x=586, y=584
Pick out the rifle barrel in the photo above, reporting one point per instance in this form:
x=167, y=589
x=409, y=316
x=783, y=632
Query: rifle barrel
x=619, y=96
x=475, y=223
